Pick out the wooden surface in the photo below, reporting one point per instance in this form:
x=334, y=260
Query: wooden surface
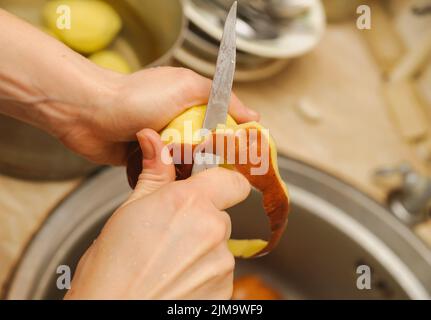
x=23, y=207
x=355, y=134
x=352, y=136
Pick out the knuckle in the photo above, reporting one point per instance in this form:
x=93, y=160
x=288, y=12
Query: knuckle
x=228, y=261
x=240, y=183
x=188, y=186
x=186, y=75
x=228, y=224
x=177, y=194
x=217, y=228
x=191, y=80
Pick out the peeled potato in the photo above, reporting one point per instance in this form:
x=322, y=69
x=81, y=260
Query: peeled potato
x=269, y=183
x=246, y=248
x=111, y=60
x=93, y=24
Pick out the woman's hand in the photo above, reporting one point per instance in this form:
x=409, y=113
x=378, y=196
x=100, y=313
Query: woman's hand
x=147, y=99
x=95, y=112
x=169, y=240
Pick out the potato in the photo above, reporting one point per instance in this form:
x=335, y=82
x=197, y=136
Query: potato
x=275, y=194
x=111, y=60
x=93, y=24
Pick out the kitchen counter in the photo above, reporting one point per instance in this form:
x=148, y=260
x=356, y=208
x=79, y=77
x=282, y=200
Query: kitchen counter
x=354, y=134
x=348, y=132
x=24, y=206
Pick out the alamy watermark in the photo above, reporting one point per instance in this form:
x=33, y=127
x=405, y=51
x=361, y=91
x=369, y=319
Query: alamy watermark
x=248, y=148
x=64, y=19
x=363, y=281
x=363, y=22
x=64, y=278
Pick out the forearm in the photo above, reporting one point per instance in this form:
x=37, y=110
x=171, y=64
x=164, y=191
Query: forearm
x=42, y=81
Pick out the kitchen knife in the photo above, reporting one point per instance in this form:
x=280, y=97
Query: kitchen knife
x=221, y=87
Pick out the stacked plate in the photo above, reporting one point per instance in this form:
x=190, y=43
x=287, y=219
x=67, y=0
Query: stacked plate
x=270, y=33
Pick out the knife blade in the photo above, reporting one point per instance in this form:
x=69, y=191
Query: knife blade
x=221, y=87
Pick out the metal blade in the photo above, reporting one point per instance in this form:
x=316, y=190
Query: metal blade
x=221, y=88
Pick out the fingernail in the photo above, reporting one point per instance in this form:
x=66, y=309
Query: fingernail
x=148, y=152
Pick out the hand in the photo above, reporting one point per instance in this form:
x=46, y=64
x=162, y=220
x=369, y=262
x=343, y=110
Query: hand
x=146, y=99
x=169, y=240
x=93, y=111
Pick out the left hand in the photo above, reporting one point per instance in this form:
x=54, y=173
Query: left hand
x=93, y=111
x=146, y=99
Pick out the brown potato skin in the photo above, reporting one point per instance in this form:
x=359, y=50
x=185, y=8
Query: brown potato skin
x=275, y=199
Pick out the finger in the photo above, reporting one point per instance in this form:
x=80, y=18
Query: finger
x=217, y=288
x=197, y=90
x=225, y=188
x=240, y=112
x=158, y=168
x=223, y=215
x=203, y=274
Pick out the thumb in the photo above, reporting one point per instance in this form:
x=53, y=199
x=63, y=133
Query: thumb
x=157, y=164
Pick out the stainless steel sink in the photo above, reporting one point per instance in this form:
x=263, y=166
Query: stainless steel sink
x=332, y=229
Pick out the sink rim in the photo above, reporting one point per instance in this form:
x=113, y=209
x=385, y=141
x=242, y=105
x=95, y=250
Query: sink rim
x=32, y=263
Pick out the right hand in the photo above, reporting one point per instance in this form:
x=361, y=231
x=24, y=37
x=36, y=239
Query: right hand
x=169, y=240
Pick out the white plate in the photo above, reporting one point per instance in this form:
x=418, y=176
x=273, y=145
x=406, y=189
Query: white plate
x=207, y=68
x=292, y=42
x=207, y=48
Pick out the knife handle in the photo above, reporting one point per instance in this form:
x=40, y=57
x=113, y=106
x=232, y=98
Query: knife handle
x=134, y=163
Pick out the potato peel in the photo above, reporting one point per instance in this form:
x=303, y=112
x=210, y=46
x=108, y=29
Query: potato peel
x=270, y=184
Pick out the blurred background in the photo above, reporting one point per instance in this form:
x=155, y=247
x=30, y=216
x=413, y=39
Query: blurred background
x=344, y=88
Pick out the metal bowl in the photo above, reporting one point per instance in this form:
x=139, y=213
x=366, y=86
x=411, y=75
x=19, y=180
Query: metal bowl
x=332, y=229
x=152, y=30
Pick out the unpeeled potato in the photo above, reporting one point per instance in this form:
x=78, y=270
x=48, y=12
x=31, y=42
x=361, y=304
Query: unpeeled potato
x=94, y=24
x=48, y=32
x=270, y=184
x=111, y=60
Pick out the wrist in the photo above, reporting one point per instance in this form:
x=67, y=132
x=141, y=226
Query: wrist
x=84, y=91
